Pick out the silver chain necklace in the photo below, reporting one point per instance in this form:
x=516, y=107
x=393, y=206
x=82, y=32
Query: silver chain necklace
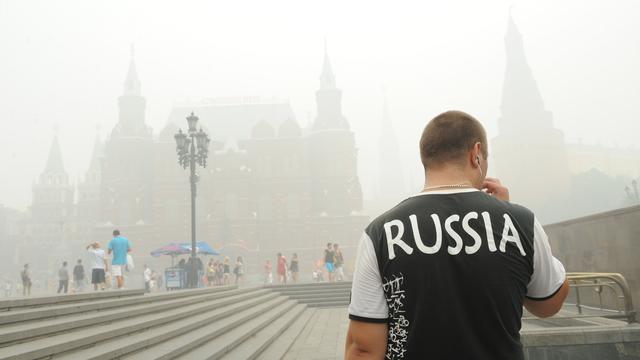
x=461, y=185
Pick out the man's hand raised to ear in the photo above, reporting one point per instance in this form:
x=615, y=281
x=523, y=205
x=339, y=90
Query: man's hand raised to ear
x=493, y=187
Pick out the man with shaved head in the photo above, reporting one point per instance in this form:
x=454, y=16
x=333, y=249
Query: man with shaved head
x=445, y=273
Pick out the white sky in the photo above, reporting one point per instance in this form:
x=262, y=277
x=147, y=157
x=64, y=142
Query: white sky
x=63, y=63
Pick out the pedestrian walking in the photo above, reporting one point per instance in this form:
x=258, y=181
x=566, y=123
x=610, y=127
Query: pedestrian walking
x=147, y=279
x=98, y=265
x=211, y=273
x=7, y=288
x=153, y=283
x=282, y=269
x=329, y=261
x=338, y=262
x=294, y=267
x=63, y=278
x=238, y=270
x=267, y=271
x=118, y=246
x=226, y=271
x=25, y=275
x=78, y=276
x=219, y=273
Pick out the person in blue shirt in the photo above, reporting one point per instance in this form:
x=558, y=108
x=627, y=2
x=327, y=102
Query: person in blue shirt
x=119, y=246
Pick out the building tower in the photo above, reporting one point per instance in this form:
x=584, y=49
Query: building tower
x=329, y=100
x=390, y=174
x=333, y=154
x=530, y=154
x=127, y=173
x=88, y=201
x=52, y=206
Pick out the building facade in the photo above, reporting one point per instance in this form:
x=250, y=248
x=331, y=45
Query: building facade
x=270, y=185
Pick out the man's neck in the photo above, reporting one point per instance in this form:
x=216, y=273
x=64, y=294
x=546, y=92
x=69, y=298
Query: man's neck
x=447, y=176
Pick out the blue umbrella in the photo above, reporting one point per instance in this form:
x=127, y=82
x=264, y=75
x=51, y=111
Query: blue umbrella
x=172, y=249
x=201, y=248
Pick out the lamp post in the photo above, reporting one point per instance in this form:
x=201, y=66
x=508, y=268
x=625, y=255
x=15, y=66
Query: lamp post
x=192, y=149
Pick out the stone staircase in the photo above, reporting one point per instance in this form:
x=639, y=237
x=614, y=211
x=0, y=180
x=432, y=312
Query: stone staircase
x=213, y=323
x=317, y=294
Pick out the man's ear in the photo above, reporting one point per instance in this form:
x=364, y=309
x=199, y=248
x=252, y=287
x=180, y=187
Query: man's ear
x=475, y=154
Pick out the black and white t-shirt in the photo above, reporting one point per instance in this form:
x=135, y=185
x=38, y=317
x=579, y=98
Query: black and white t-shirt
x=448, y=272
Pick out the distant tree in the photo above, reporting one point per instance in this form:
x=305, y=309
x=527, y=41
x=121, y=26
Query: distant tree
x=631, y=191
x=592, y=192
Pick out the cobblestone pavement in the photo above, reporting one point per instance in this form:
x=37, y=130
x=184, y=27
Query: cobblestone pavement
x=323, y=337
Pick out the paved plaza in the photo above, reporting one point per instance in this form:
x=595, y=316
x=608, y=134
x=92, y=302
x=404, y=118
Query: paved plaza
x=323, y=338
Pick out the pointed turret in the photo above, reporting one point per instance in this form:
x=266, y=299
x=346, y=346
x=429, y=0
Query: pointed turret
x=52, y=200
x=522, y=106
x=54, y=162
x=327, y=78
x=132, y=106
x=329, y=100
x=96, y=155
x=132, y=85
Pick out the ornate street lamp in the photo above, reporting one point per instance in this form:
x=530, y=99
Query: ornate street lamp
x=192, y=149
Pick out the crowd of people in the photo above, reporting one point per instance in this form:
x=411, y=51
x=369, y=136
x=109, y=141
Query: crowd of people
x=289, y=272
x=104, y=273
x=218, y=273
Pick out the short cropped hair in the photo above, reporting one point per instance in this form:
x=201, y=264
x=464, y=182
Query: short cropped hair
x=116, y=232
x=448, y=137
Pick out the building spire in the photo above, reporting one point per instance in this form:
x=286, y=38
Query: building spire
x=54, y=162
x=96, y=154
x=522, y=106
x=391, y=178
x=132, y=86
x=327, y=78
x=386, y=119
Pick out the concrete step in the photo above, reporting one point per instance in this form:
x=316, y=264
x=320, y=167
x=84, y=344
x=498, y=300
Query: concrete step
x=314, y=291
x=311, y=296
x=282, y=344
x=329, y=304
x=169, y=340
x=90, y=335
x=323, y=301
x=262, y=339
x=38, y=301
x=320, y=302
x=15, y=333
x=54, y=311
x=214, y=348
x=341, y=284
x=317, y=295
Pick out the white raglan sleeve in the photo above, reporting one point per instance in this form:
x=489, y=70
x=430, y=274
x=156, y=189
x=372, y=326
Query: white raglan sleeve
x=548, y=272
x=368, y=302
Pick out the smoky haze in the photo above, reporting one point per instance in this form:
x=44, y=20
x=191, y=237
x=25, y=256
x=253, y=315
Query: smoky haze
x=314, y=111
x=64, y=64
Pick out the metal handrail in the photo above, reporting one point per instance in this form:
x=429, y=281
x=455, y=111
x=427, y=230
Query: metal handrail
x=614, y=281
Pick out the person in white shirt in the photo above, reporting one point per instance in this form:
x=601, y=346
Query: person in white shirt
x=147, y=279
x=98, y=264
